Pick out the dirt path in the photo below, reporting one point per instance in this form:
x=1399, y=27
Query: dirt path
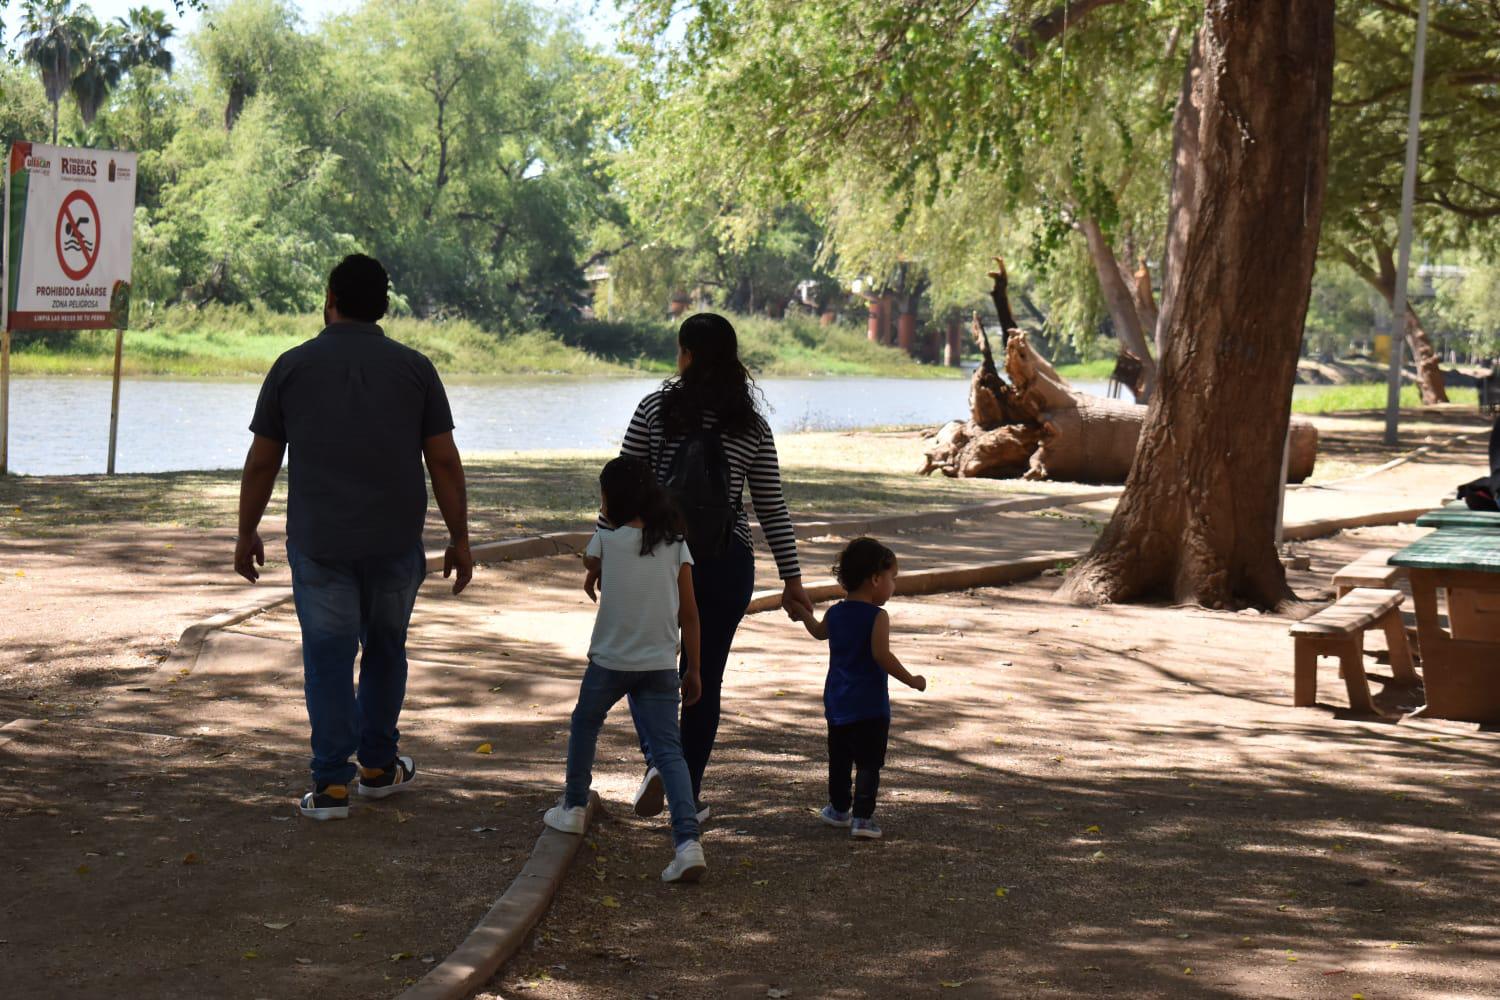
x=1117, y=803
x=152, y=847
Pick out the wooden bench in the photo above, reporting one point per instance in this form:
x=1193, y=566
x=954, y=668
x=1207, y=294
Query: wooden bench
x=1369, y=570
x=1339, y=630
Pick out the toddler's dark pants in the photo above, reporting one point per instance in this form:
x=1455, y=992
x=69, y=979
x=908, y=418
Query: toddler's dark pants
x=858, y=745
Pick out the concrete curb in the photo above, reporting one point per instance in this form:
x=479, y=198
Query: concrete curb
x=1301, y=531
x=933, y=581
x=558, y=543
x=930, y=519
x=502, y=931
x=191, y=641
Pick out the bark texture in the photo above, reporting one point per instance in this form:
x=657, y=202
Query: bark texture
x=1197, y=520
x=1120, y=300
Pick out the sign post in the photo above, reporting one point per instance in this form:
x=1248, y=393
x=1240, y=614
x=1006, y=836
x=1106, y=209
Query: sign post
x=69, y=221
x=5, y=333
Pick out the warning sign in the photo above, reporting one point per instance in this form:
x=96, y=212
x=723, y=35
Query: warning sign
x=77, y=235
x=69, y=215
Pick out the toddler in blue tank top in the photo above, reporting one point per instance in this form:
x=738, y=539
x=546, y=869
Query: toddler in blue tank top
x=856, y=701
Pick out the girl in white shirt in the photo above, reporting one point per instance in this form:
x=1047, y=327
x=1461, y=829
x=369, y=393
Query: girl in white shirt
x=643, y=567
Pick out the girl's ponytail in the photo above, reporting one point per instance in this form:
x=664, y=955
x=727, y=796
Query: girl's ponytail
x=631, y=492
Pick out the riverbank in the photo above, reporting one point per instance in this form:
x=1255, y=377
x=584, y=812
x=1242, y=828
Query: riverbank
x=221, y=342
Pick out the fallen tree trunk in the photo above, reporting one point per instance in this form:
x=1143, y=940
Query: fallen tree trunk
x=1036, y=426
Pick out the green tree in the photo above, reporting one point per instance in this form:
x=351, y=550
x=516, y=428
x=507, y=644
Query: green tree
x=1458, y=194
x=250, y=45
x=97, y=67
x=144, y=36
x=1054, y=119
x=52, y=35
x=476, y=123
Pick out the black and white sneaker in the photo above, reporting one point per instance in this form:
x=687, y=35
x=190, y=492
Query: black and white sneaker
x=650, y=797
x=326, y=802
x=378, y=782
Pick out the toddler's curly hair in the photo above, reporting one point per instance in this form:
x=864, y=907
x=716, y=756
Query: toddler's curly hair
x=861, y=559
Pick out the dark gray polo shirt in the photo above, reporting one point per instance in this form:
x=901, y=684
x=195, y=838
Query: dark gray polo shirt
x=354, y=407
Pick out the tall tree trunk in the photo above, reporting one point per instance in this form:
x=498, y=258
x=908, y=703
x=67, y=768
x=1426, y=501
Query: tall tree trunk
x=1185, y=150
x=1424, y=356
x=55, y=105
x=1121, y=303
x=1197, y=520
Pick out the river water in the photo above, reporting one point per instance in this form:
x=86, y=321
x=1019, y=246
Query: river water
x=60, y=426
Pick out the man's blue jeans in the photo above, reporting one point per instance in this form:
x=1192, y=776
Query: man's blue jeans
x=654, y=695
x=343, y=606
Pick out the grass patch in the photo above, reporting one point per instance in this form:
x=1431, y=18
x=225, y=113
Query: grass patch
x=218, y=341
x=1341, y=398
x=1088, y=371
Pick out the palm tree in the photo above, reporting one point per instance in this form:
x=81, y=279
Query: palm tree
x=52, y=31
x=98, y=67
x=144, y=39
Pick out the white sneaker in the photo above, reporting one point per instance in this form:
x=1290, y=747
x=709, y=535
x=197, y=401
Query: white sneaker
x=704, y=812
x=688, y=865
x=567, y=819
x=650, y=796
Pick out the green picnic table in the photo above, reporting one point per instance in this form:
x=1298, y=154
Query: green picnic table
x=1460, y=662
x=1458, y=515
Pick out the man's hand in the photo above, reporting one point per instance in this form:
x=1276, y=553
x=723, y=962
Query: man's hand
x=795, y=602
x=692, y=688
x=459, y=561
x=919, y=682
x=248, y=554
x=591, y=583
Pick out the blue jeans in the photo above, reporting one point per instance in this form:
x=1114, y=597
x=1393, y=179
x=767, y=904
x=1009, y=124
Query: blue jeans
x=654, y=695
x=722, y=586
x=345, y=605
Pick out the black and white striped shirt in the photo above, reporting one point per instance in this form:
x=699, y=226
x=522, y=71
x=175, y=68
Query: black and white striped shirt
x=750, y=456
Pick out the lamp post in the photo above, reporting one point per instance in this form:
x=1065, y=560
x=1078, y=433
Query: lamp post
x=1403, y=261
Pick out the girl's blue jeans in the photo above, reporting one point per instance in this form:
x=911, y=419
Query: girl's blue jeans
x=345, y=607
x=655, y=696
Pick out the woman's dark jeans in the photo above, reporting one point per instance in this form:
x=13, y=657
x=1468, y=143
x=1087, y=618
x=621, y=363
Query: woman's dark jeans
x=722, y=586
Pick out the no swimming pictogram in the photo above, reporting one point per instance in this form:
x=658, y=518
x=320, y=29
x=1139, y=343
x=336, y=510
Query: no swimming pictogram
x=77, y=237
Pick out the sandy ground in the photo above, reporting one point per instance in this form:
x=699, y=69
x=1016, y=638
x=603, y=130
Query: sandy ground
x=152, y=848
x=1272, y=851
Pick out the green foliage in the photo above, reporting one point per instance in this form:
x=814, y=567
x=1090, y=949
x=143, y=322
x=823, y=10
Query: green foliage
x=224, y=340
x=938, y=133
x=1458, y=191
x=1340, y=310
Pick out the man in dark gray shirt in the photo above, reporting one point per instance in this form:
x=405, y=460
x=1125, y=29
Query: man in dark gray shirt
x=361, y=414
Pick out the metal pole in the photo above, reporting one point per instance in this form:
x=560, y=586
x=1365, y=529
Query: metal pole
x=5, y=321
x=1286, y=461
x=4, y=400
x=114, y=402
x=1403, y=262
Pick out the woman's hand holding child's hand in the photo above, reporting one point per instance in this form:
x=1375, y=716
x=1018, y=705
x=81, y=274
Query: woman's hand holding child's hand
x=919, y=682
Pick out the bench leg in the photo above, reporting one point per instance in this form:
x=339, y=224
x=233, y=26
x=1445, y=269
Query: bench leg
x=1395, y=637
x=1352, y=660
x=1305, y=677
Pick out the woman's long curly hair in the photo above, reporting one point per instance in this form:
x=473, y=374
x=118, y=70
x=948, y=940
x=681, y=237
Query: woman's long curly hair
x=715, y=381
x=630, y=492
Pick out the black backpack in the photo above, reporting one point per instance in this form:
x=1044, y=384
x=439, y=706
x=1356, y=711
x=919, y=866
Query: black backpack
x=699, y=482
x=1480, y=494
